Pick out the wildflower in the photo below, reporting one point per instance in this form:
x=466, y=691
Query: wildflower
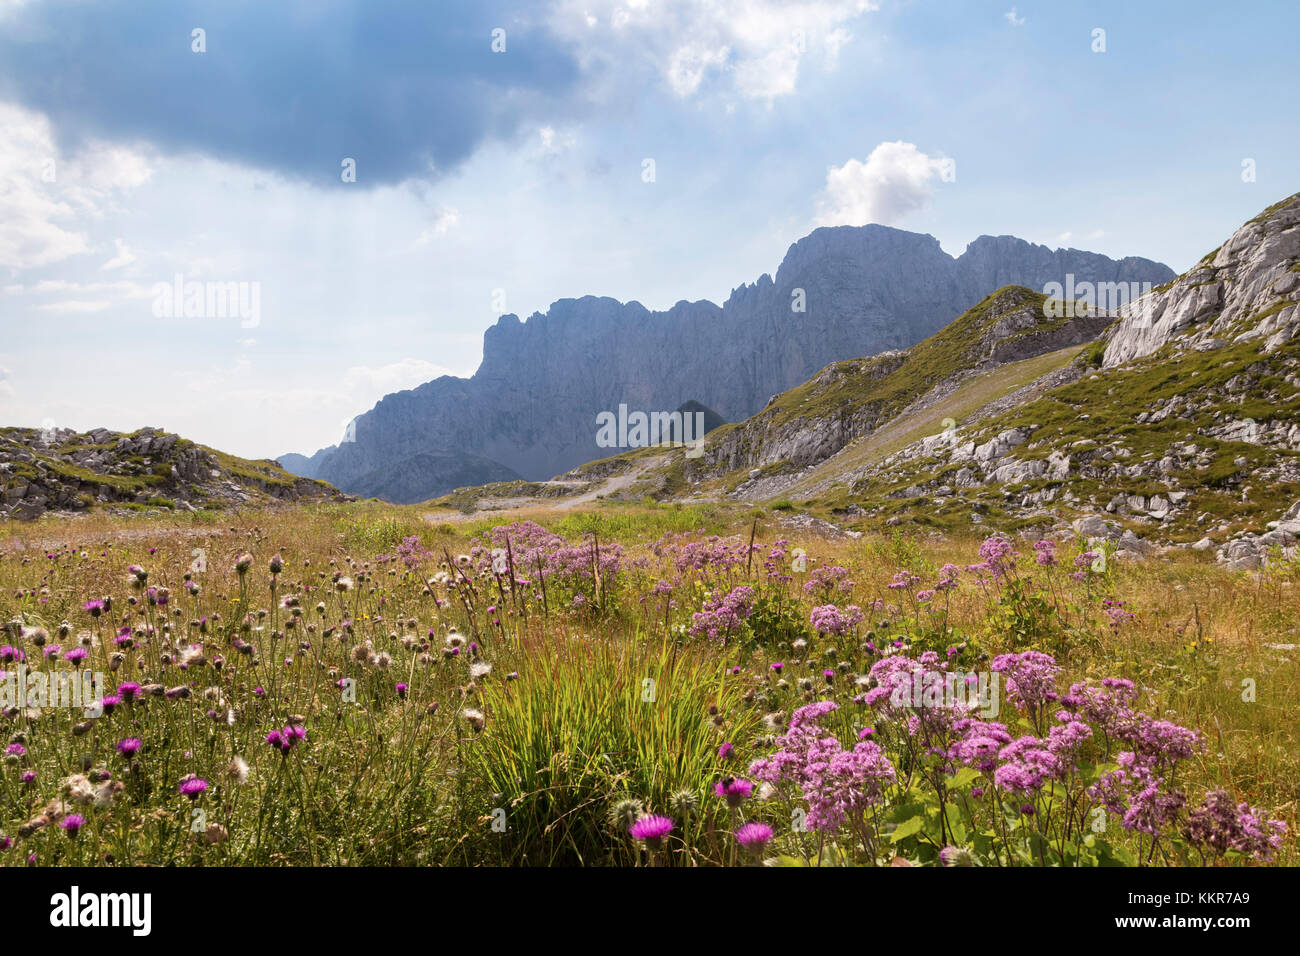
x=734, y=791
x=723, y=615
x=475, y=718
x=129, y=746
x=754, y=836
x=956, y=856
x=78, y=790
x=193, y=787
x=72, y=824
x=237, y=771
x=1219, y=826
x=726, y=750
x=243, y=563
x=684, y=804
x=624, y=813
x=830, y=620
x=651, y=830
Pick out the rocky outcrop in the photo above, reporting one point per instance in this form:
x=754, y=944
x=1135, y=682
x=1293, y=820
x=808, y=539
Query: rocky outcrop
x=1249, y=551
x=62, y=470
x=849, y=400
x=1248, y=288
x=532, y=405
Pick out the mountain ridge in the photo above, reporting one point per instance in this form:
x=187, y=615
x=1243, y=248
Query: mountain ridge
x=1175, y=425
x=839, y=292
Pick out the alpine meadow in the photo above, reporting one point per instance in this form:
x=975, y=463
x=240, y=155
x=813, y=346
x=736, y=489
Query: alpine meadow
x=942, y=544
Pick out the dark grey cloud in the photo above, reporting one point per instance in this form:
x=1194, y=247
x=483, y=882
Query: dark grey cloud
x=291, y=86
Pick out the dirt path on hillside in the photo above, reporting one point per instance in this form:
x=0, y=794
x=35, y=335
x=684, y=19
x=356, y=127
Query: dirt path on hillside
x=507, y=506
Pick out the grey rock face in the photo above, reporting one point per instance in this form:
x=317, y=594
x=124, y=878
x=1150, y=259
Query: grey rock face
x=840, y=293
x=1247, y=289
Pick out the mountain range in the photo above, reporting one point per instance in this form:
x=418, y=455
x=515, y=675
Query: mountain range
x=530, y=410
x=1173, y=424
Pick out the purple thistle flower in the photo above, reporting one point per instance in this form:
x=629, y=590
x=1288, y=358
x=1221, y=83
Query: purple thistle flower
x=651, y=829
x=754, y=836
x=734, y=790
x=72, y=823
x=129, y=746
x=193, y=786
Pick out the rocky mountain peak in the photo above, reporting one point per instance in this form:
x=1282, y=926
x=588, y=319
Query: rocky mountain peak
x=531, y=408
x=1247, y=288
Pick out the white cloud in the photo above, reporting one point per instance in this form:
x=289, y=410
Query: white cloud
x=444, y=219
x=894, y=181
x=1014, y=20
x=47, y=197
x=760, y=44
x=124, y=256
x=553, y=142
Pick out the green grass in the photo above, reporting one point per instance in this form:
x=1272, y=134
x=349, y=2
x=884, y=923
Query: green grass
x=592, y=723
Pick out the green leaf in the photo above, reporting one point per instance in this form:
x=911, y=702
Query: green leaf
x=963, y=777
x=907, y=828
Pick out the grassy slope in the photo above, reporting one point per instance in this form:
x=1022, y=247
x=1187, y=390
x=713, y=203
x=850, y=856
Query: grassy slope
x=964, y=401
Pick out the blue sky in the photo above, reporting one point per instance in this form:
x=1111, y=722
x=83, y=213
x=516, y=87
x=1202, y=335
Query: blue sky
x=510, y=179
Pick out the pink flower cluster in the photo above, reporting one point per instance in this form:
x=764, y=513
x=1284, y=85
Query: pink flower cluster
x=723, y=615
x=828, y=619
x=837, y=784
